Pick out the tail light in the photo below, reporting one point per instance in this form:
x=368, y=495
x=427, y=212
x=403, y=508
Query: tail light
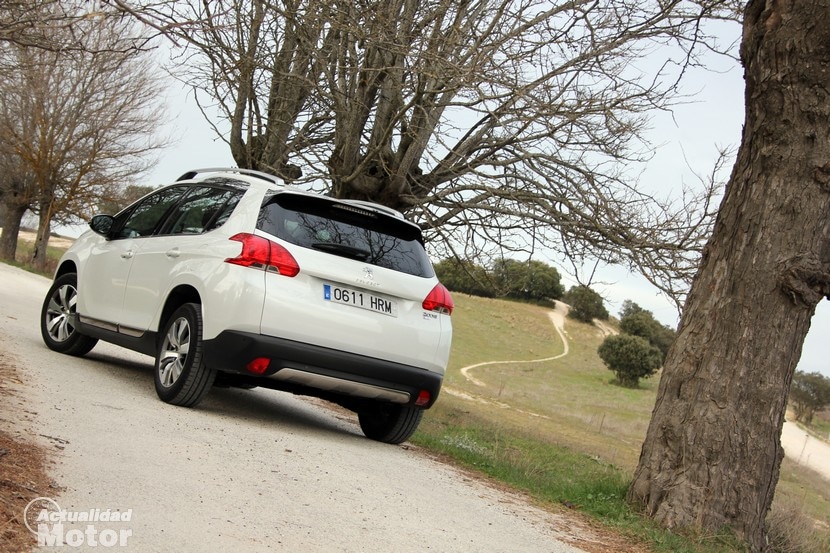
x=262, y=253
x=439, y=300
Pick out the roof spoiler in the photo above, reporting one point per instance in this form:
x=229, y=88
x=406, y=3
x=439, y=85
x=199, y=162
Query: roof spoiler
x=259, y=174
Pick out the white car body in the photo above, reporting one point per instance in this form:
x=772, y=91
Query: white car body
x=350, y=325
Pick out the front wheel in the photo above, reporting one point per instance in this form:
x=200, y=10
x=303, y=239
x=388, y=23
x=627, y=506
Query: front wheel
x=181, y=376
x=391, y=423
x=59, y=318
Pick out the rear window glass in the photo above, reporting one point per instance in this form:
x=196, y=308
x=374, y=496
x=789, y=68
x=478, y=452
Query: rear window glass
x=347, y=231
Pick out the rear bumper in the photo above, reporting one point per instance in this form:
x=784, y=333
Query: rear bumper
x=303, y=368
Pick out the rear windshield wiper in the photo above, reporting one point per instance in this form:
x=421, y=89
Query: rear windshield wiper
x=342, y=249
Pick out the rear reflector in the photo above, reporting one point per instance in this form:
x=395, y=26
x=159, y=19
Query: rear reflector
x=423, y=398
x=258, y=365
x=261, y=253
x=439, y=300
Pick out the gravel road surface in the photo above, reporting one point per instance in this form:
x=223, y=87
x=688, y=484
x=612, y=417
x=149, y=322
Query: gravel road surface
x=805, y=449
x=245, y=471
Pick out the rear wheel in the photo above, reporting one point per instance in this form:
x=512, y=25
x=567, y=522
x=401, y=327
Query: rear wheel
x=59, y=318
x=391, y=423
x=181, y=376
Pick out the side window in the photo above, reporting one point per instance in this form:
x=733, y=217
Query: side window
x=203, y=209
x=146, y=216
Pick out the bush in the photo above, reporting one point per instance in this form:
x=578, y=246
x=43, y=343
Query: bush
x=531, y=280
x=643, y=324
x=586, y=305
x=525, y=280
x=465, y=277
x=630, y=358
x=629, y=308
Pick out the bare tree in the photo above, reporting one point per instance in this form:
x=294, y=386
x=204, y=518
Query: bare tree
x=78, y=122
x=17, y=195
x=30, y=24
x=59, y=25
x=487, y=121
x=712, y=454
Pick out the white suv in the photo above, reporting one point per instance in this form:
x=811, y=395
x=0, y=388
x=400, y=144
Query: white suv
x=228, y=277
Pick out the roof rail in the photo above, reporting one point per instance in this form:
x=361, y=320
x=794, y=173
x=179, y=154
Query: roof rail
x=259, y=174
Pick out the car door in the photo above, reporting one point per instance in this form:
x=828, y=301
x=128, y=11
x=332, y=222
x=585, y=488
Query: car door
x=106, y=271
x=180, y=243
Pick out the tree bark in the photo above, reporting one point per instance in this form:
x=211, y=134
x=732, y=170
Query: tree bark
x=44, y=228
x=12, y=217
x=712, y=453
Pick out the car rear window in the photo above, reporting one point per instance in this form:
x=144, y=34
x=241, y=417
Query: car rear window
x=349, y=231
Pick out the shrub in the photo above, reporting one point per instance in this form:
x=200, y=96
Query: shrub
x=643, y=324
x=465, y=277
x=530, y=280
x=586, y=305
x=630, y=358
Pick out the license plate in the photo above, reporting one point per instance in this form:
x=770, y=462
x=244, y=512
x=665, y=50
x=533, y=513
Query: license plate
x=358, y=298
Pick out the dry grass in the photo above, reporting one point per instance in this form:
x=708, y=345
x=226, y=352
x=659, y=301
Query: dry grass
x=571, y=398
x=23, y=474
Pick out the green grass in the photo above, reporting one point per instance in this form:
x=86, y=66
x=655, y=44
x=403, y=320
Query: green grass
x=561, y=432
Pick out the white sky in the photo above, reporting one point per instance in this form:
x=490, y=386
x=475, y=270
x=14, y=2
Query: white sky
x=689, y=137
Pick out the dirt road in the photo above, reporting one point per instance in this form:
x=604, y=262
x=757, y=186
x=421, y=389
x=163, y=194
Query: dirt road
x=246, y=470
x=805, y=449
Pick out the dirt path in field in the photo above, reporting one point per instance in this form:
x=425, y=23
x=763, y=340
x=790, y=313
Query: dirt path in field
x=604, y=328
x=557, y=317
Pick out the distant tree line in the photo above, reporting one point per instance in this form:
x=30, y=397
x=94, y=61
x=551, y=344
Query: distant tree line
x=641, y=347
x=524, y=280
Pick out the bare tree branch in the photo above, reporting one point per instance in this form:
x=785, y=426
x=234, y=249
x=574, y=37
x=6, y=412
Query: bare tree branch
x=501, y=114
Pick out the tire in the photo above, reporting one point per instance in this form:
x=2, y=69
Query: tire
x=59, y=318
x=181, y=376
x=391, y=423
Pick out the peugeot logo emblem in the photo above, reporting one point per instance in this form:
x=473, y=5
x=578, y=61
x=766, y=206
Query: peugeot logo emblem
x=367, y=272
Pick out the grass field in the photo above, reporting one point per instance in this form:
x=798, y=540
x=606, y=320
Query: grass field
x=562, y=432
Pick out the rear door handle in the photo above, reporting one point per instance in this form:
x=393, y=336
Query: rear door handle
x=127, y=254
x=173, y=253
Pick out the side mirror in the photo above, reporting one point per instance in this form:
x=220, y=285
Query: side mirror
x=102, y=224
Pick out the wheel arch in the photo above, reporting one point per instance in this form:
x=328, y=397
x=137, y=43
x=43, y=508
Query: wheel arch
x=67, y=266
x=178, y=296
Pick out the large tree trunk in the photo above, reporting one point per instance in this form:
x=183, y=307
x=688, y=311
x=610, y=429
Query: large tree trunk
x=12, y=217
x=712, y=453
